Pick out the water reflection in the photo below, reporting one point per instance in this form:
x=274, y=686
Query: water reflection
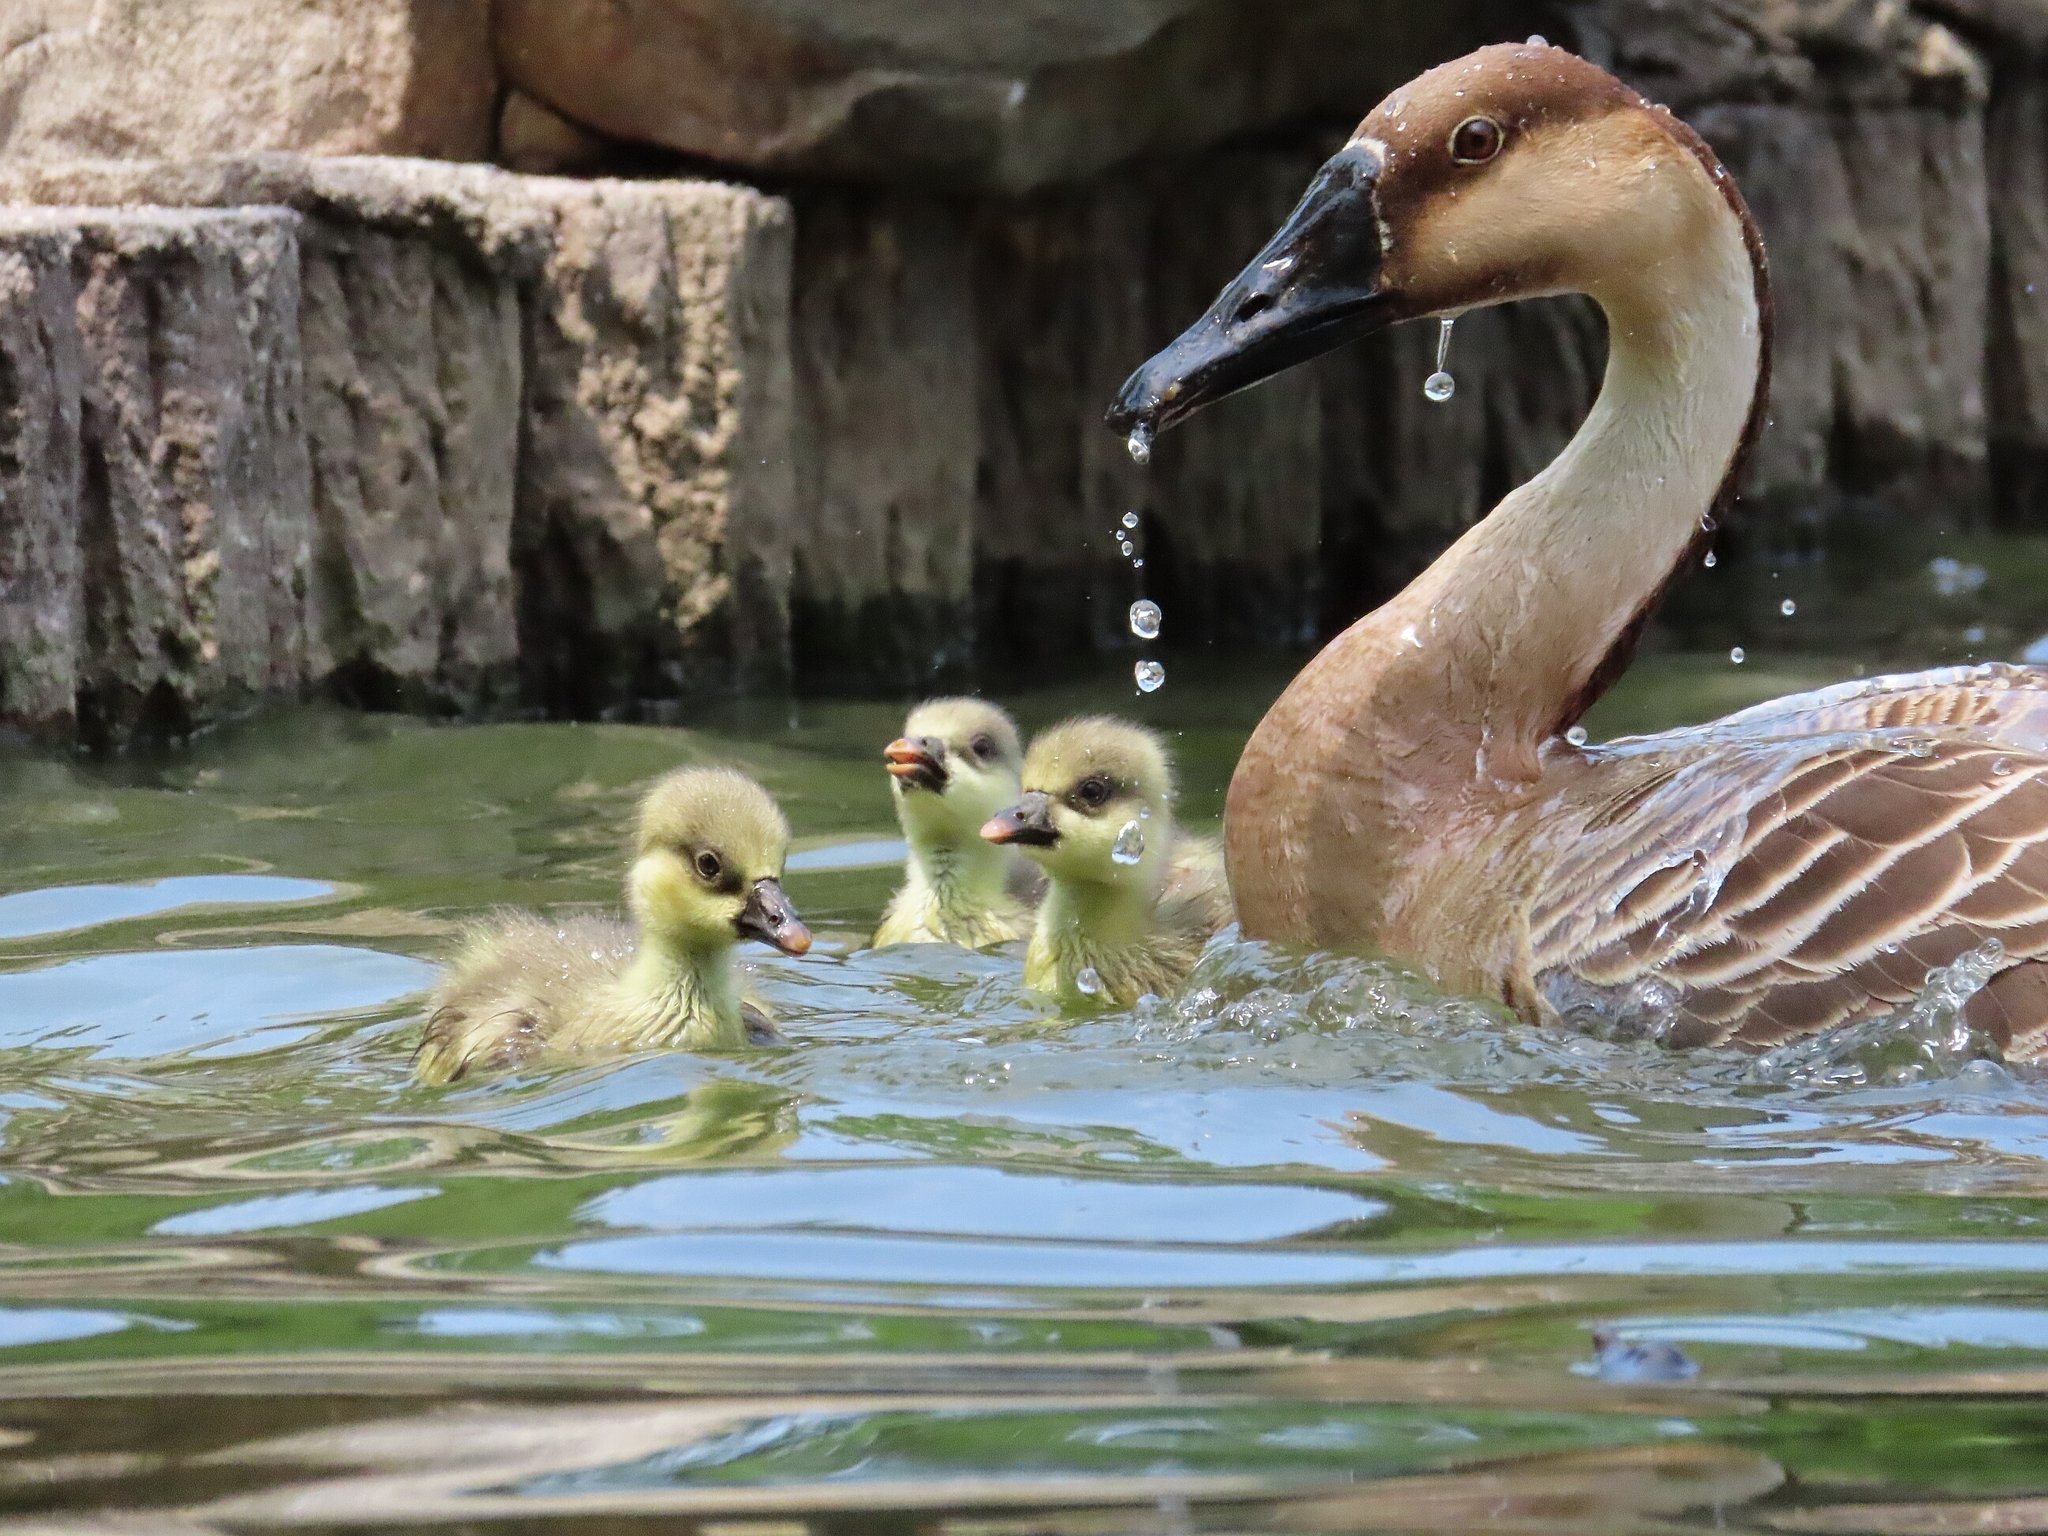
x=1309, y=1247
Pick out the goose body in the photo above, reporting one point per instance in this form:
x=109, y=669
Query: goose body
x=955, y=765
x=707, y=873
x=1130, y=897
x=1791, y=868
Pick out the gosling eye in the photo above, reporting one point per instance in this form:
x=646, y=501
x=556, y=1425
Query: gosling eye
x=983, y=747
x=1093, y=794
x=1476, y=141
x=709, y=866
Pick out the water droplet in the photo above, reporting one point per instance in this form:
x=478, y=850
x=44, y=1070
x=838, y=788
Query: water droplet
x=1129, y=846
x=1150, y=675
x=1138, y=564
x=1707, y=523
x=2001, y=766
x=1125, y=548
x=1440, y=386
x=1738, y=655
x=1131, y=521
x=1537, y=40
x=1576, y=735
x=1089, y=982
x=1140, y=444
x=1711, y=561
x=1788, y=608
x=1146, y=619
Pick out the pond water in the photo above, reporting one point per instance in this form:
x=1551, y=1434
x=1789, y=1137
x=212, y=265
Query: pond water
x=1306, y=1248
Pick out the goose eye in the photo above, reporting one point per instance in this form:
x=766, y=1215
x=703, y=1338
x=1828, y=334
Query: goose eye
x=1092, y=792
x=1475, y=141
x=984, y=747
x=709, y=865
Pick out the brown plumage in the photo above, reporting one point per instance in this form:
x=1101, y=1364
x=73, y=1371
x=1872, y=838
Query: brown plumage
x=1792, y=868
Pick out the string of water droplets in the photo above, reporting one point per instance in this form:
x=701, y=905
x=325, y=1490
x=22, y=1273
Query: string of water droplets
x=1146, y=618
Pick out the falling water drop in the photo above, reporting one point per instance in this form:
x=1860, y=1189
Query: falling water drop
x=1711, y=561
x=1131, y=521
x=1140, y=444
x=1089, y=982
x=1150, y=675
x=1125, y=548
x=1146, y=619
x=1440, y=386
x=1576, y=735
x=1129, y=846
x=1738, y=656
x=1788, y=608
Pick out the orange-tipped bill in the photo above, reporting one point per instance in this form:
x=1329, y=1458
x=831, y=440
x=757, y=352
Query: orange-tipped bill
x=917, y=763
x=769, y=917
x=1027, y=824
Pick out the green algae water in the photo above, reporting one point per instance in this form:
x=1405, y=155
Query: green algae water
x=1306, y=1247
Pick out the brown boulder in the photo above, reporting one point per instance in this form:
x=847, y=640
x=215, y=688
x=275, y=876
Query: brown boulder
x=149, y=78
x=1005, y=96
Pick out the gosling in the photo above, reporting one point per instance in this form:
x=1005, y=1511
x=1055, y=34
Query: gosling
x=956, y=765
x=707, y=873
x=1131, y=899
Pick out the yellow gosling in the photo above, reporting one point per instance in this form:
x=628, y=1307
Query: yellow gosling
x=706, y=874
x=956, y=764
x=1131, y=900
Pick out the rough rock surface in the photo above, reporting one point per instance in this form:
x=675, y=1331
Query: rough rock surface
x=163, y=78
x=474, y=436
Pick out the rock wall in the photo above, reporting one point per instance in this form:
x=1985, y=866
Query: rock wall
x=516, y=441
x=424, y=435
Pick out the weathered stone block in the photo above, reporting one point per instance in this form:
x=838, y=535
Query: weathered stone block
x=41, y=619
x=657, y=501
x=189, y=512
x=547, y=422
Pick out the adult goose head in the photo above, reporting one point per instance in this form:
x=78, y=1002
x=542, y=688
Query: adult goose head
x=1413, y=790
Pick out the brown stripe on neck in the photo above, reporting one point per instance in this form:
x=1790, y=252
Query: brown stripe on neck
x=1622, y=651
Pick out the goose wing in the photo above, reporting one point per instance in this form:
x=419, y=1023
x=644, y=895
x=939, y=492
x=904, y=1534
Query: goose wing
x=1780, y=887
x=1993, y=703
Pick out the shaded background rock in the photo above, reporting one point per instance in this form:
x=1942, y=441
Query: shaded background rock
x=594, y=445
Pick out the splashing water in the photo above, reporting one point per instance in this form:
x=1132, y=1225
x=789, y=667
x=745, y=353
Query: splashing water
x=1146, y=619
x=1140, y=444
x=1150, y=675
x=1440, y=386
x=1925, y=1039
x=1129, y=846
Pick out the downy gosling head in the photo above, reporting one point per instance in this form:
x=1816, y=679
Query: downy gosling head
x=707, y=871
x=1131, y=900
x=956, y=764
x=707, y=867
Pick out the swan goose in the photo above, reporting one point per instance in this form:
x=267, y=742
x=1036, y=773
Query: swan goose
x=1130, y=898
x=955, y=765
x=706, y=873
x=1785, y=870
